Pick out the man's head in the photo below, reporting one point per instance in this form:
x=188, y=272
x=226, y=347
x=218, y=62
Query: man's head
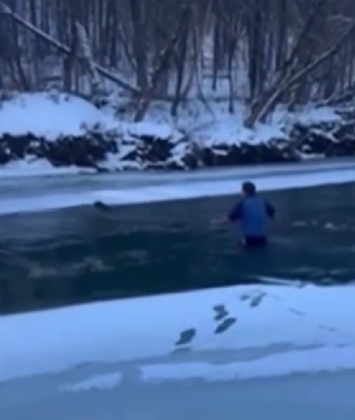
x=248, y=188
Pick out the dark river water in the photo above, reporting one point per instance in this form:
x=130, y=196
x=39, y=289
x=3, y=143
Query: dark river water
x=78, y=255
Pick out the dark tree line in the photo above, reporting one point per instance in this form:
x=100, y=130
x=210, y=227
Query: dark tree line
x=270, y=51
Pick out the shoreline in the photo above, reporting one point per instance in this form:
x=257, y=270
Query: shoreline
x=263, y=168
x=97, y=140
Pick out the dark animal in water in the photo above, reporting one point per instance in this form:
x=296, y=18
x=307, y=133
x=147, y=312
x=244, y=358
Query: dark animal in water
x=99, y=205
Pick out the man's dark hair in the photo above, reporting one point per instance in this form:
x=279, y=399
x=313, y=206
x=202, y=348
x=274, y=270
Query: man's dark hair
x=249, y=188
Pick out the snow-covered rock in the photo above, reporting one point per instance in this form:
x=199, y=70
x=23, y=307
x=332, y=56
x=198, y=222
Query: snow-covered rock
x=66, y=131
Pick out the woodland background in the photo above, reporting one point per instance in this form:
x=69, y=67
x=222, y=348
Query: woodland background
x=262, y=52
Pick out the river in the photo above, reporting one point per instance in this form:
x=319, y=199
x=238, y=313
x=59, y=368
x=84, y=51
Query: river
x=80, y=254
x=107, y=360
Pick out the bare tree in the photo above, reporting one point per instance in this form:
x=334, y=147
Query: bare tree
x=269, y=52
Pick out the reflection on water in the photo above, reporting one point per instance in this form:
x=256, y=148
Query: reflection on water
x=82, y=254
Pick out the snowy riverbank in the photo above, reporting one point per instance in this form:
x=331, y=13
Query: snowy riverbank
x=57, y=133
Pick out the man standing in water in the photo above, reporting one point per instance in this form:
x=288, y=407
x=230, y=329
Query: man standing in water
x=252, y=212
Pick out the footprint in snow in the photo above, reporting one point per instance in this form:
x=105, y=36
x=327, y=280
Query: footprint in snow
x=225, y=325
x=245, y=296
x=186, y=337
x=220, y=312
x=256, y=300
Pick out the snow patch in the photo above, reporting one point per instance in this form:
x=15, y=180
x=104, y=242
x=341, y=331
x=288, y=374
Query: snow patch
x=151, y=129
x=230, y=132
x=99, y=382
x=312, y=361
x=290, y=319
x=51, y=116
x=291, y=362
x=312, y=116
x=38, y=167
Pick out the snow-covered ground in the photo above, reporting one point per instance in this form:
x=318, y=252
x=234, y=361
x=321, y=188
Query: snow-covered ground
x=58, y=193
x=49, y=116
x=74, y=356
x=55, y=115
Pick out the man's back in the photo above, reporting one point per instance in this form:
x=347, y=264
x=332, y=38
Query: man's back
x=254, y=216
x=253, y=213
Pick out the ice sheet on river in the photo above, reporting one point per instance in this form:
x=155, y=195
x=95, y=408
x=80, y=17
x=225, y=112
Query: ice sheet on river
x=92, y=360
x=38, y=194
x=221, y=334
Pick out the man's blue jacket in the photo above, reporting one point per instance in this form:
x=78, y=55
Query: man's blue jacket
x=253, y=213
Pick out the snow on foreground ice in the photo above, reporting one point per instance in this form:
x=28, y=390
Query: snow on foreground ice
x=221, y=334
x=179, y=189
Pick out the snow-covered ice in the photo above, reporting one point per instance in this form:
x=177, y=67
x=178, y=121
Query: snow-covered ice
x=327, y=358
x=104, y=381
x=155, y=188
x=277, y=331
x=327, y=396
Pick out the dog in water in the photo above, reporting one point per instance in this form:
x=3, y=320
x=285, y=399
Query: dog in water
x=99, y=205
